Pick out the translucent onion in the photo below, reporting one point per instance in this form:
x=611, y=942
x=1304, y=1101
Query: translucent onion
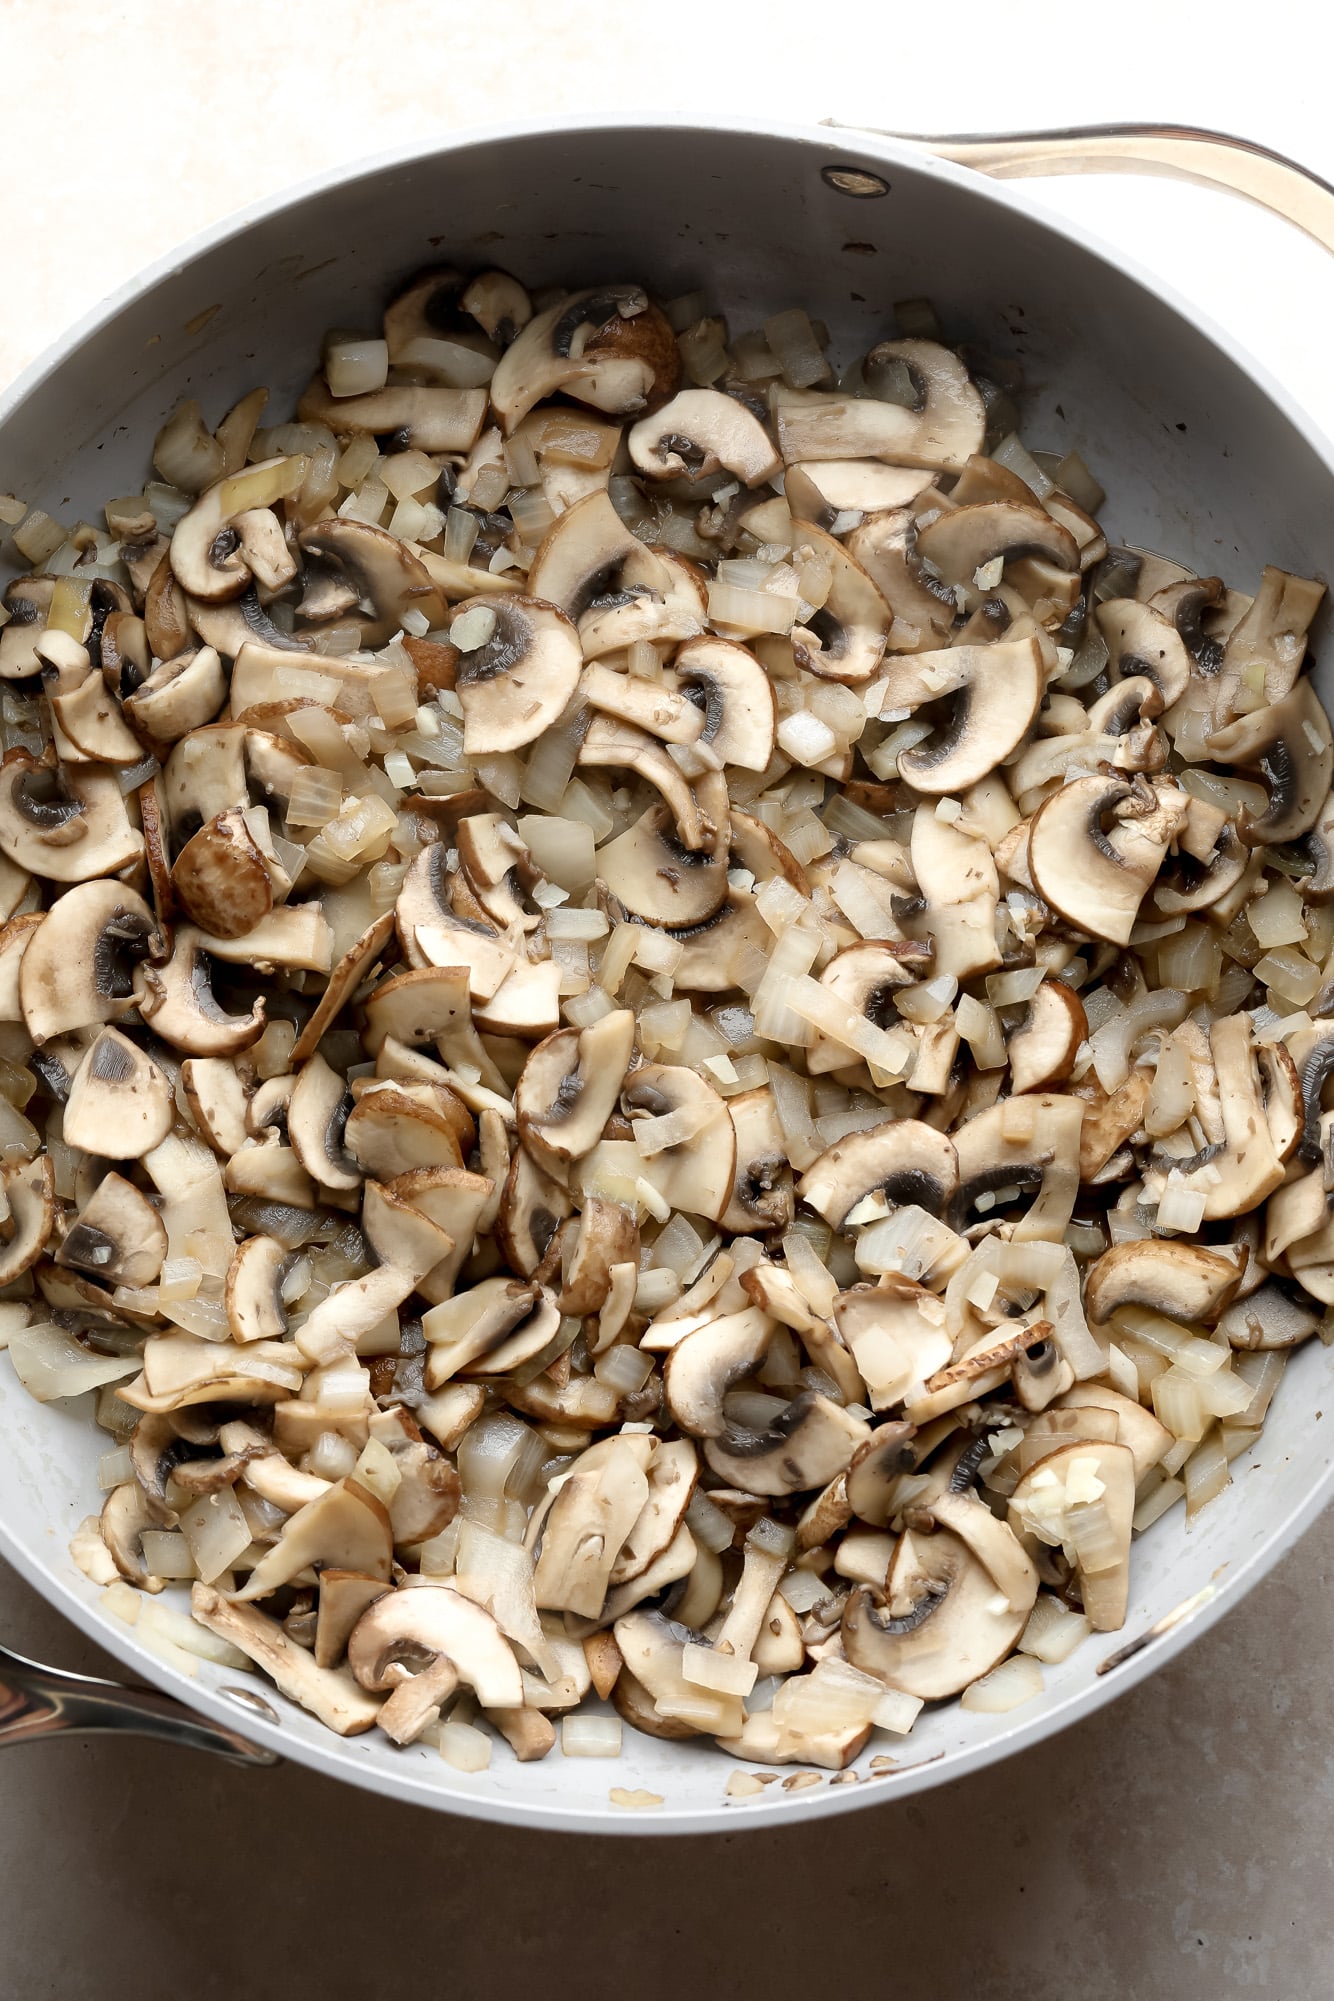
x=1007, y=1687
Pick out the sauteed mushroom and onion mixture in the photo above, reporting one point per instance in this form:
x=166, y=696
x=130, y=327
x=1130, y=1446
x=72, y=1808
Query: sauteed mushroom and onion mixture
x=662, y=1036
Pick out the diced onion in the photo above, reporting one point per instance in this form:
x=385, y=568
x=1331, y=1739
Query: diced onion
x=590, y=1736
x=1007, y=1687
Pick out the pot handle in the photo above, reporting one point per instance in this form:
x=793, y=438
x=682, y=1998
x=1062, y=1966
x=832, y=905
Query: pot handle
x=38, y=1702
x=1166, y=152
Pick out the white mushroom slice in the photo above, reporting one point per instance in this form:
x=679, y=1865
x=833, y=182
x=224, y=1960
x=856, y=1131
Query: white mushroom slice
x=179, y=695
x=775, y=1290
x=702, y=1367
x=526, y=1005
x=253, y=1291
x=1136, y=1427
x=762, y=1198
x=222, y=879
x=355, y=966
x=216, y=552
x=344, y=1596
x=671, y=1480
x=657, y=878
x=393, y=1128
x=1082, y=1495
x=617, y=619
x=118, y=1236
x=328, y=1693
x=1246, y=1168
x=27, y=1197
x=217, y=1101
x=1291, y=745
x=683, y=1130
x=1185, y=1282
x=295, y=935
x=345, y=1528
x=664, y=713
x=589, y=556
x=1271, y=632
x=1095, y=847
x=942, y=432
x=963, y=540
x=737, y=697
x=515, y=682
x=896, y=1336
x=90, y=727
x=700, y=432
x=532, y=1207
x=400, y=1234
x=653, y=1649
x=69, y=827
x=595, y=1509
x=204, y=776
x=15, y=939
x=271, y=1172
x=824, y=488
x=380, y=574
x=607, y=1236
x=434, y=935
x=457, y=1201
x=78, y=968
x=120, y=1103
x=1036, y=1148
x=991, y=695
x=493, y=1328
x=942, y=1623
x=426, y=416
x=606, y=346
x=609, y=742
x=1043, y=1048
x=1142, y=642
x=317, y=1115
x=498, y=303
x=181, y=1369
x=845, y=639
x=331, y=1330
x=806, y=1447
x=569, y=1087
x=177, y=1000
x=865, y=978
x=905, y=1160
x=993, y=1543
x=886, y=547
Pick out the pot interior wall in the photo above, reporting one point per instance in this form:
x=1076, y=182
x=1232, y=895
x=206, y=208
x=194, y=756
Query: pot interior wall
x=1197, y=461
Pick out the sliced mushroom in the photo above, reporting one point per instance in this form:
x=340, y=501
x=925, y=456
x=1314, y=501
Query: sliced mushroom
x=886, y=547
x=606, y=346
x=356, y=964
x=395, y=1128
x=78, y=968
x=896, y=1335
x=253, y=1293
x=694, y=1172
x=737, y=697
x=1004, y=1150
x=126, y=1513
x=426, y=416
x=598, y=1503
x=1246, y=1167
x=607, y=1236
x=120, y=1104
x=28, y=1203
x=180, y=695
x=942, y=1622
x=963, y=540
x=216, y=552
x=533, y=1205
x=905, y=1160
x=317, y=1116
x=1269, y=1317
x=1042, y=1050
x=569, y=1088
x=989, y=697
x=514, y=683
x=1185, y=1282
x=652, y=1693
x=1143, y=642
x=346, y=1528
x=69, y=826
x=845, y=639
x=1095, y=847
x=1056, y=1501
x=177, y=999
x=609, y=742
x=329, y=1693
x=944, y=429
x=700, y=432
x=221, y=877
x=704, y=1365
x=590, y=561
x=1291, y=746
x=657, y=878
x=812, y=1441
x=118, y=1236
x=762, y=1197
x=457, y=1201
x=386, y=577
x=490, y=1330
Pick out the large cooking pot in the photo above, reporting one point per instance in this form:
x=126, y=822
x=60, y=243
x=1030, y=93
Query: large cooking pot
x=1202, y=457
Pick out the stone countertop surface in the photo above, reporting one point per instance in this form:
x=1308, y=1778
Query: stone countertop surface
x=1179, y=1843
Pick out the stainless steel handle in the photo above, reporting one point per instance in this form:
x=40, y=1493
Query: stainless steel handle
x=1168, y=152
x=37, y=1702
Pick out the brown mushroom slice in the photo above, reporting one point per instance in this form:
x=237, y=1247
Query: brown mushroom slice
x=69, y=826
x=457, y=1201
x=695, y=1171
x=390, y=1131
x=598, y=1503
x=532, y=1208
x=329, y=1693
x=737, y=697
x=295, y=935
x=605, y=346
x=1291, y=746
x=942, y=1622
x=963, y=540
x=493, y=1328
x=117, y=1237
x=704, y=1365
x=78, y=968
x=805, y=1447
x=942, y=431
x=355, y=966
x=886, y=547
x=222, y=879
x=1082, y=1495
x=993, y=1543
x=253, y=1290
x=569, y=1087
x=1185, y=1282
x=27, y=1195
x=434, y=935
x=845, y=639
x=126, y=1513
x=762, y=1199
x=15, y=939
x=177, y=1000
x=346, y=1528
x=607, y=1236
x=992, y=695
x=120, y=1104
x=1143, y=641
x=427, y=416
x=1095, y=847
x=652, y=1693
x=1043, y=1048
x=700, y=432
x=526, y=1005
x=430, y=1005
x=1270, y=1317
x=344, y=1596
x=904, y=1160
x=205, y=775
x=1272, y=632
x=515, y=682
x=269, y=1172
x=658, y=878
x=217, y=1101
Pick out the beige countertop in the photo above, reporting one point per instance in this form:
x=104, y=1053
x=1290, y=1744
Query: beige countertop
x=1178, y=1844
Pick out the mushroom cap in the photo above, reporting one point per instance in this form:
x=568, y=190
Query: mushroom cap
x=77, y=968
x=955, y=1625
x=992, y=693
x=703, y=1366
x=394, y=1128
x=873, y=1474
x=516, y=684
x=437, y=1622
x=120, y=1104
x=811, y=1442
x=1093, y=874
x=221, y=879
x=699, y=431
x=180, y=695
x=903, y=1158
